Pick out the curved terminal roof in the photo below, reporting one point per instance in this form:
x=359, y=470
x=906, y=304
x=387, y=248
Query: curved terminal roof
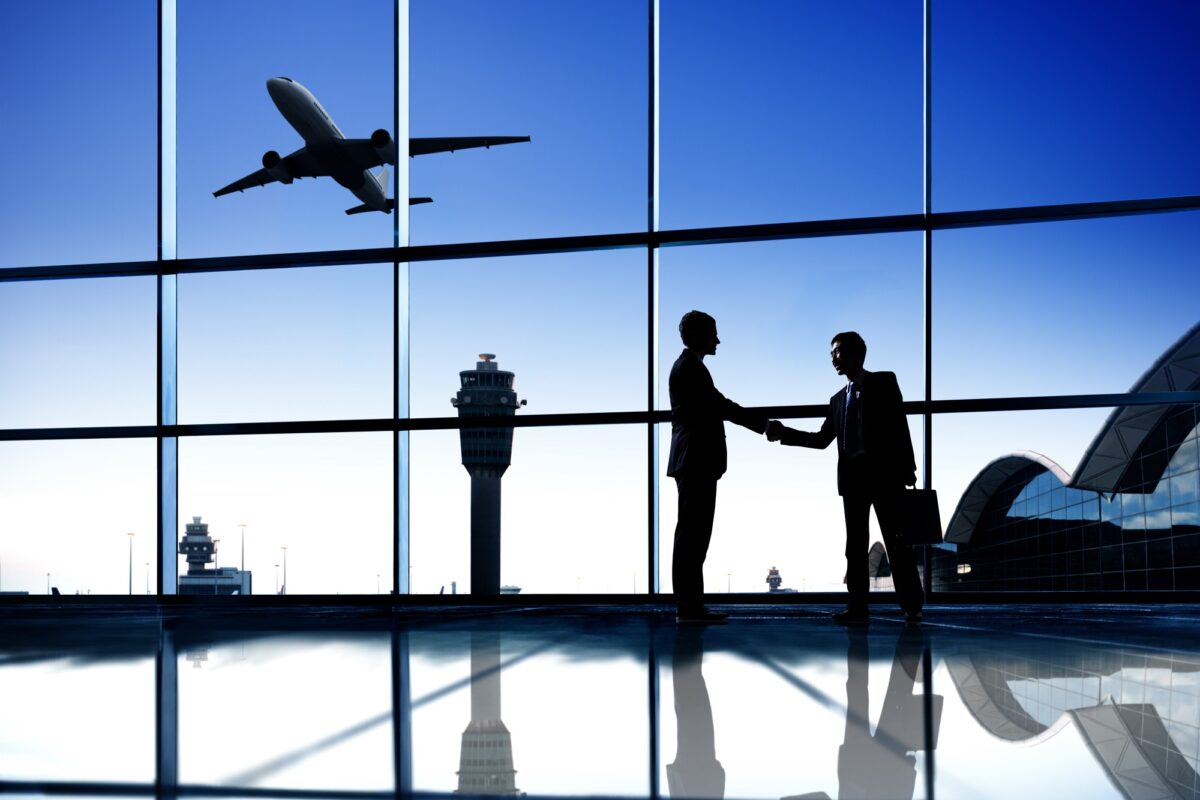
x=1109, y=465
x=1016, y=469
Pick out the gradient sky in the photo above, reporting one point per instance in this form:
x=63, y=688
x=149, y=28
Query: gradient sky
x=769, y=111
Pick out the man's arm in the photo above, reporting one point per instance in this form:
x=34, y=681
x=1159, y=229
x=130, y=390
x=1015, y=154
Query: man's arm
x=818, y=440
x=702, y=401
x=740, y=416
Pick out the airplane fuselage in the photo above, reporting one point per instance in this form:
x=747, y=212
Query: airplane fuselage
x=321, y=134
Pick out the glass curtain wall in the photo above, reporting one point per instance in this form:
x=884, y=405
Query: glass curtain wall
x=1005, y=209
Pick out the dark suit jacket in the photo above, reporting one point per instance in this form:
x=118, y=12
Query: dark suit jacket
x=697, y=414
x=887, y=460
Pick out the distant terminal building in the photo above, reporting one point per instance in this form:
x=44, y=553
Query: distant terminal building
x=486, y=391
x=1128, y=518
x=199, y=549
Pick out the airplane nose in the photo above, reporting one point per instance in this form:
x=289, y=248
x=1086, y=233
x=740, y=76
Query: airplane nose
x=275, y=86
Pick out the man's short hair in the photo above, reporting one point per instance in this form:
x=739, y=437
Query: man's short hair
x=851, y=341
x=694, y=325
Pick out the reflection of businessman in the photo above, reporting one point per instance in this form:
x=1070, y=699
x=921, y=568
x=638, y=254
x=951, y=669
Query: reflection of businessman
x=698, y=458
x=879, y=767
x=875, y=767
x=875, y=463
x=695, y=773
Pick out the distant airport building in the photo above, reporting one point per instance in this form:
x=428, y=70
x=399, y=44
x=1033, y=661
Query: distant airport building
x=199, y=549
x=486, y=391
x=1127, y=519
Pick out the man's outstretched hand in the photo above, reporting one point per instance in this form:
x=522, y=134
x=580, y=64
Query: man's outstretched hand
x=774, y=430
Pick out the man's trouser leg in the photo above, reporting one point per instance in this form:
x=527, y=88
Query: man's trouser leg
x=857, y=508
x=693, y=530
x=889, y=510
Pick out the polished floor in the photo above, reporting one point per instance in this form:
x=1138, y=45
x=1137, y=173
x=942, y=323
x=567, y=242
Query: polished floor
x=979, y=702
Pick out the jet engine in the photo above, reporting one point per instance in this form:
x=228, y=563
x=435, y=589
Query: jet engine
x=384, y=146
x=273, y=164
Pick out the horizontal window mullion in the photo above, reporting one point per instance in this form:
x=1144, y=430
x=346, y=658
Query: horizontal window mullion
x=915, y=407
x=608, y=241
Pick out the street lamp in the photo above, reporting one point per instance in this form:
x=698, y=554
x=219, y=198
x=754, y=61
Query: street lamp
x=216, y=554
x=47, y=583
x=130, y=535
x=276, y=579
x=147, y=577
x=242, y=525
x=284, y=549
x=376, y=583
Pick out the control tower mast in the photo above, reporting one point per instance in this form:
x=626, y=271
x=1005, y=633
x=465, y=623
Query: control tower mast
x=486, y=391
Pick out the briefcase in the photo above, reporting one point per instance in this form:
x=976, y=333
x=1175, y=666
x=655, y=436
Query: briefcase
x=922, y=520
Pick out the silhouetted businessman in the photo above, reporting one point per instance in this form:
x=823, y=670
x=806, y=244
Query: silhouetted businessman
x=695, y=772
x=698, y=458
x=875, y=463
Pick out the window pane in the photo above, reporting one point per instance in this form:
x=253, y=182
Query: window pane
x=572, y=76
x=778, y=304
x=337, y=738
x=291, y=344
x=776, y=111
x=227, y=121
x=1061, y=308
x=777, y=507
x=571, y=327
x=82, y=352
x=1062, y=102
x=78, y=85
x=572, y=511
x=67, y=508
x=317, y=509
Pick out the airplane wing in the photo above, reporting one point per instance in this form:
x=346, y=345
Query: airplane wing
x=448, y=144
x=299, y=165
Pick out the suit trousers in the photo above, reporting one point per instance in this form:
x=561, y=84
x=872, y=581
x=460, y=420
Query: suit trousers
x=888, y=505
x=693, y=531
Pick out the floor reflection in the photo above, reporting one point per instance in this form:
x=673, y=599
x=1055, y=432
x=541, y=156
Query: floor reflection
x=367, y=704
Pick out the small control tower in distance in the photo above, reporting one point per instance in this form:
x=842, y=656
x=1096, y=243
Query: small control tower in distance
x=486, y=391
x=200, y=549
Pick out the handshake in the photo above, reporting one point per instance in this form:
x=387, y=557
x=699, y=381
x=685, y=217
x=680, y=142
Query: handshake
x=774, y=430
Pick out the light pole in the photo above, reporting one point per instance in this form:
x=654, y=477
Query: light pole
x=216, y=554
x=147, y=577
x=276, y=579
x=242, y=525
x=47, y=583
x=130, y=535
x=376, y=583
x=284, y=549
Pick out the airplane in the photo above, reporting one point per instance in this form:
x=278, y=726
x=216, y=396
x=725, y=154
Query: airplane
x=328, y=153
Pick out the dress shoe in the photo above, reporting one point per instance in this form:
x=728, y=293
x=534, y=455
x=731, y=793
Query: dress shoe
x=849, y=617
x=701, y=615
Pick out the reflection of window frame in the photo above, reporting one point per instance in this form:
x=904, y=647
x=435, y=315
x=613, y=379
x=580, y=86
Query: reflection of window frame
x=165, y=269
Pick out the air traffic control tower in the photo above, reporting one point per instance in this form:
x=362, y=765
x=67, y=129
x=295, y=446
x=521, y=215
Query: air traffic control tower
x=486, y=391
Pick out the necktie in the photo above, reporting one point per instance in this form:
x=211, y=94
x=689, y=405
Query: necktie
x=850, y=422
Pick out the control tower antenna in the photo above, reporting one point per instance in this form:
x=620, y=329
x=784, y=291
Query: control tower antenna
x=486, y=391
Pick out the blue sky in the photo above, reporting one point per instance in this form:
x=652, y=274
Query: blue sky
x=769, y=111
